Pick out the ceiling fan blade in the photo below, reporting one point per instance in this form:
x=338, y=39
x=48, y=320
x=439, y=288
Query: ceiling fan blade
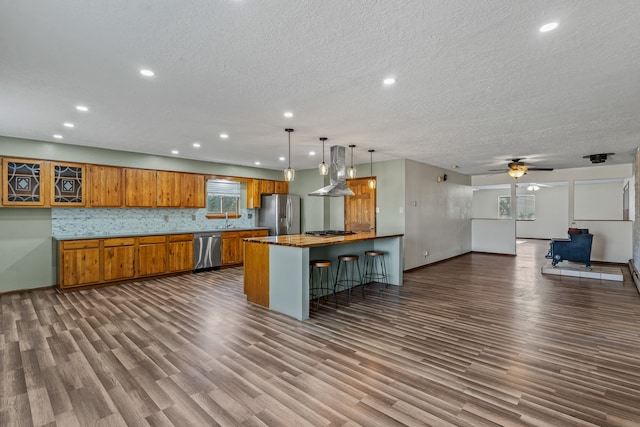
x=498, y=170
x=540, y=169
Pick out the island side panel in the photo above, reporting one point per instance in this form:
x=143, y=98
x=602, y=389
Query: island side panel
x=394, y=259
x=256, y=273
x=289, y=281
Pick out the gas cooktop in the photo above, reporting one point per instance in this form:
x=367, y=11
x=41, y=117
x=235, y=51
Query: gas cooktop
x=330, y=232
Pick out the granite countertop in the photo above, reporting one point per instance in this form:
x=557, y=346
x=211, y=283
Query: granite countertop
x=308, y=241
x=107, y=235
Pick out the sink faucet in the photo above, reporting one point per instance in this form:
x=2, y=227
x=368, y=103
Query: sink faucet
x=226, y=220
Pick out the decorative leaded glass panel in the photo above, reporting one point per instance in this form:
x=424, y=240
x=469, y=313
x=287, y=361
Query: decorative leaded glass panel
x=23, y=182
x=67, y=184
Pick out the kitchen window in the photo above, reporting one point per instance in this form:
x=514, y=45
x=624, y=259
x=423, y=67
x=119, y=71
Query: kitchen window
x=223, y=199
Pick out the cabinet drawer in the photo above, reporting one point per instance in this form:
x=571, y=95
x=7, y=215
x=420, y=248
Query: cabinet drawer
x=81, y=244
x=119, y=241
x=245, y=234
x=180, y=237
x=230, y=234
x=260, y=233
x=146, y=240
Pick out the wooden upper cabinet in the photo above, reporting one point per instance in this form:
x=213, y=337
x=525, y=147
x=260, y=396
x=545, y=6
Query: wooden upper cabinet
x=105, y=186
x=193, y=191
x=281, y=187
x=266, y=186
x=169, y=188
x=253, y=193
x=25, y=182
x=140, y=188
x=68, y=184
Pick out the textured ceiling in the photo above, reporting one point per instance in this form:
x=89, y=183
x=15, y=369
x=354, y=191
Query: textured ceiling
x=477, y=83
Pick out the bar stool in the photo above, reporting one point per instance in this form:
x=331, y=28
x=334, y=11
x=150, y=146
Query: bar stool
x=320, y=280
x=375, y=269
x=348, y=264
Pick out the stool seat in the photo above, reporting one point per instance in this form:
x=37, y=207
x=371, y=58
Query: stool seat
x=374, y=253
x=348, y=258
x=320, y=263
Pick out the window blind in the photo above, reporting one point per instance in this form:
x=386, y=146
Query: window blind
x=223, y=188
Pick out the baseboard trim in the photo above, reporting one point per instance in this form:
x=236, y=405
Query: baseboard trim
x=39, y=288
x=635, y=275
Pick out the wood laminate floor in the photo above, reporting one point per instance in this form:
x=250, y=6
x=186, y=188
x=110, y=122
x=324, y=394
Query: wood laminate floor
x=480, y=340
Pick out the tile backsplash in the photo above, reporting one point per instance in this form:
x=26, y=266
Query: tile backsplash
x=79, y=222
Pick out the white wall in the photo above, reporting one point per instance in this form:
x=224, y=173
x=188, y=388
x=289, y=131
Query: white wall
x=437, y=214
x=485, y=202
x=552, y=211
x=494, y=236
x=598, y=201
x=612, y=240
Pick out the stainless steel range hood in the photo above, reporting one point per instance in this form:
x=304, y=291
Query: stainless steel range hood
x=337, y=176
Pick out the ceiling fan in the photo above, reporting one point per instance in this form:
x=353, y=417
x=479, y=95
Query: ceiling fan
x=518, y=169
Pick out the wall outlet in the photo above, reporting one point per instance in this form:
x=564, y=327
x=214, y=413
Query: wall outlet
x=426, y=254
x=165, y=218
x=377, y=209
x=193, y=217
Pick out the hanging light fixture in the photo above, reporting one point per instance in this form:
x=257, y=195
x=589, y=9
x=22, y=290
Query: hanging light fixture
x=323, y=168
x=372, y=180
x=288, y=172
x=351, y=172
x=516, y=171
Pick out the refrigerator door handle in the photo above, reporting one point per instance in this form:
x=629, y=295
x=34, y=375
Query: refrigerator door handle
x=289, y=214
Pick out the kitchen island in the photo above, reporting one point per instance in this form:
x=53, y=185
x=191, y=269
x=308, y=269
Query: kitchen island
x=276, y=268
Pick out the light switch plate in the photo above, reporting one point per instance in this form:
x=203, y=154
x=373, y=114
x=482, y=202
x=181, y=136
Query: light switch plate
x=377, y=209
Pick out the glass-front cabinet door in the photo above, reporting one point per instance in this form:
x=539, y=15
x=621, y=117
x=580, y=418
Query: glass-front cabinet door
x=67, y=184
x=23, y=182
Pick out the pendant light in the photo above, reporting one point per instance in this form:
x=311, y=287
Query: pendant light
x=351, y=172
x=372, y=180
x=323, y=168
x=288, y=172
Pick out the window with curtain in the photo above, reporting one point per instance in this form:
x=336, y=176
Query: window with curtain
x=223, y=198
x=526, y=207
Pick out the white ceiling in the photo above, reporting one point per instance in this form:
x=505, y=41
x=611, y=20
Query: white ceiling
x=477, y=83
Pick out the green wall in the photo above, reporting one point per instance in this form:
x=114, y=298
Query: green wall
x=75, y=153
x=26, y=249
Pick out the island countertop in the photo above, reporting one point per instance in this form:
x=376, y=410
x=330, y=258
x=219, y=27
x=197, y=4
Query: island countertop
x=309, y=240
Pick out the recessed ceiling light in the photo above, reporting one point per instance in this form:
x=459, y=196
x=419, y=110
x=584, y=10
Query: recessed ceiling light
x=282, y=159
x=548, y=27
x=196, y=145
x=312, y=153
x=288, y=114
x=83, y=108
x=69, y=125
x=224, y=136
x=257, y=163
x=389, y=81
x=147, y=73
x=57, y=136
x=175, y=152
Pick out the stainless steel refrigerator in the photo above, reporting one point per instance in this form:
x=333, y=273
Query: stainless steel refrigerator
x=281, y=213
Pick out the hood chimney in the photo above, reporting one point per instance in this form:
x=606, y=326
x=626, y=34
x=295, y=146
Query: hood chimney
x=337, y=176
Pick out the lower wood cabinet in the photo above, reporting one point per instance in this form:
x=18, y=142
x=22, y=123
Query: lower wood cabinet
x=180, y=252
x=118, y=259
x=79, y=263
x=230, y=248
x=233, y=245
x=95, y=261
x=152, y=255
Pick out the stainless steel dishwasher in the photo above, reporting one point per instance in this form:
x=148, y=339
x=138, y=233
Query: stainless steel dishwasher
x=207, y=252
